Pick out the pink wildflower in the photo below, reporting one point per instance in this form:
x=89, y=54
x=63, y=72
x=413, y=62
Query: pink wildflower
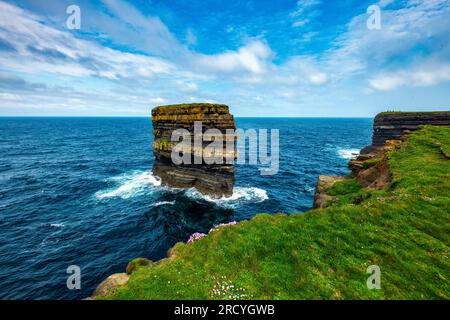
x=232, y=223
x=196, y=236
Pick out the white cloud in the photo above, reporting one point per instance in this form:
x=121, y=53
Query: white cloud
x=385, y=3
x=304, y=11
x=42, y=49
x=419, y=76
x=9, y=96
x=187, y=86
x=300, y=23
x=304, y=69
x=252, y=57
x=318, y=78
x=147, y=32
x=417, y=24
x=157, y=100
x=302, y=6
x=387, y=82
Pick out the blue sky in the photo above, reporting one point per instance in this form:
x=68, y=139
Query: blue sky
x=262, y=58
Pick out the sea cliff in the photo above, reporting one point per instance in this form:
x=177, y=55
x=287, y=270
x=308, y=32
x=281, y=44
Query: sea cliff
x=393, y=125
x=392, y=212
x=371, y=168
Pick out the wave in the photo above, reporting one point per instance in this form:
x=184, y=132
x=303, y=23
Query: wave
x=240, y=195
x=348, y=153
x=141, y=182
x=130, y=185
x=162, y=203
x=57, y=225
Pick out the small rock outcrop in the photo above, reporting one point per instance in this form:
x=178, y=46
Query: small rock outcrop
x=136, y=264
x=393, y=125
x=217, y=179
x=321, y=198
x=372, y=169
x=108, y=285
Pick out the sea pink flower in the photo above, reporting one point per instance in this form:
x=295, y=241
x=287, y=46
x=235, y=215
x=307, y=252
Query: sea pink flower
x=196, y=236
x=232, y=223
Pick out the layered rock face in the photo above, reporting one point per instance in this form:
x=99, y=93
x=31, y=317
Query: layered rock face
x=213, y=179
x=393, y=125
x=371, y=170
x=371, y=167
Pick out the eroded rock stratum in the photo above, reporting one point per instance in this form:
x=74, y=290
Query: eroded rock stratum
x=371, y=167
x=393, y=125
x=216, y=179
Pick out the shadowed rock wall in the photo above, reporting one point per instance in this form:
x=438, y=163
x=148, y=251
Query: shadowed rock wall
x=393, y=125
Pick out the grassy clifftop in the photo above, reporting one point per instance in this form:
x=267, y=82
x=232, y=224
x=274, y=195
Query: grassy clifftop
x=324, y=253
x=412, y=113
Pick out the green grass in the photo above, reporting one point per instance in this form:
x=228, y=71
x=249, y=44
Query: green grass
x=348, y=191
x=344, y=187
x=190, y=105
x=411, y=112
x=324, y=253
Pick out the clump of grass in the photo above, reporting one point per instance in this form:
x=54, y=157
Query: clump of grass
x=344, y=187
x=324, y=253
x=399, y=112
x=190, y=105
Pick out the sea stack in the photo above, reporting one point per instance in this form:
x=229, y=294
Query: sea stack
x=212, y=179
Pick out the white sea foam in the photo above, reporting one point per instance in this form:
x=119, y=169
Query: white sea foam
x=348, y=153
x=141, y=182
x=57, y=225
x=130, y=185
x=162, y=203
x=240, y=195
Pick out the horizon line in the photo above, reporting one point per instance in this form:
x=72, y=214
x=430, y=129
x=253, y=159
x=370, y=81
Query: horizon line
x=124, y=116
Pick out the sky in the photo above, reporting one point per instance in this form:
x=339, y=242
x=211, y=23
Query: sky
x=263, y=58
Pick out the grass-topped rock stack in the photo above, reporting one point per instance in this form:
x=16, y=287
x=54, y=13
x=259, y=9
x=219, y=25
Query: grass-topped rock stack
x=216, y=180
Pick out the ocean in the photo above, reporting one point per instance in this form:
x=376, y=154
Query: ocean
x=80, y=191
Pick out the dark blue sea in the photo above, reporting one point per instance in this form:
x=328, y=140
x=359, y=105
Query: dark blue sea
x=80, y=191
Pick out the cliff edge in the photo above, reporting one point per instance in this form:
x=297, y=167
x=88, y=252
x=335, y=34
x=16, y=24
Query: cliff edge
x=371, y=168
x=393, y=125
